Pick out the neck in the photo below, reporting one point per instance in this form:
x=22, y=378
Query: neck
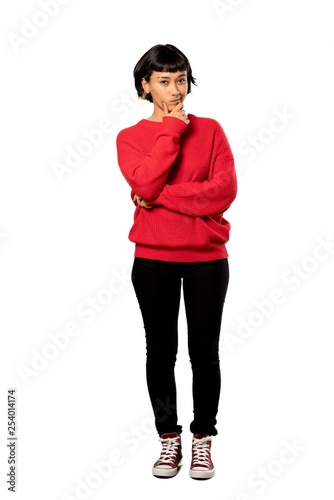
x=157, y=115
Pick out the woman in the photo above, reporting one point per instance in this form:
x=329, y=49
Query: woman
x=181, y=172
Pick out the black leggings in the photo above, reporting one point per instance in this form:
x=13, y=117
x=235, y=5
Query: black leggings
x=157, y=285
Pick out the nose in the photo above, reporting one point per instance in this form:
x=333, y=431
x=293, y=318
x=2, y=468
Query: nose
x=175, y=91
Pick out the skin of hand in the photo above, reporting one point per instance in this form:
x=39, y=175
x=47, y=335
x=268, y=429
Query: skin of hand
x=142, y=203
x=177, y=112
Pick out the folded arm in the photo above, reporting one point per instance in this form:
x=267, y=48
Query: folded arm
x=147, y=173
x=210, y=197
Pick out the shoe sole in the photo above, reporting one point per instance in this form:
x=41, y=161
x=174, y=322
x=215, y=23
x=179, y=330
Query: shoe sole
x=201, y=474
x=164, y=473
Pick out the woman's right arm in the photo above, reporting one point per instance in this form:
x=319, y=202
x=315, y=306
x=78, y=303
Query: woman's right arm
x=147, y=174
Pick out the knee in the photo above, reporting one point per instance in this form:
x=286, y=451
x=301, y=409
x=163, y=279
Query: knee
x=204, y=361
x=161, y=358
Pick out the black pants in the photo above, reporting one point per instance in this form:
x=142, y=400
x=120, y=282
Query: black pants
x=157, y=285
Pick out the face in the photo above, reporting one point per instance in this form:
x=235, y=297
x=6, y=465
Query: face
x=170, y=88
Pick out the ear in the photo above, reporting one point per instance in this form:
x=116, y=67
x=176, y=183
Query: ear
x=145, y=85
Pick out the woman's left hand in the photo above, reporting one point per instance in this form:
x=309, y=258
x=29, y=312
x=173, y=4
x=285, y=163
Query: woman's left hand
x=142, y=203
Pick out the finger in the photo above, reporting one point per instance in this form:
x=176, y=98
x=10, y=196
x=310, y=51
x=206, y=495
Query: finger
x=179, y=106
x=184, y=115
x=165, y=108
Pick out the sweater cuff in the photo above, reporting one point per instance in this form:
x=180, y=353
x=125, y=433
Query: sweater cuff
x=174, y=124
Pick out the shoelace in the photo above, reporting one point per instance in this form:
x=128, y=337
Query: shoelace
x=169, y=450
x=201, y=452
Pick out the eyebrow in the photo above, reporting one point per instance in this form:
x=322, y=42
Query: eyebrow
x=167, y=77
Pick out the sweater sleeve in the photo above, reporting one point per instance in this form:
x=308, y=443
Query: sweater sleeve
x=210, y=197
x=147, y=174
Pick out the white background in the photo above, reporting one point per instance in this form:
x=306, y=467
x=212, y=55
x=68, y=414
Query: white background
x=64, y=239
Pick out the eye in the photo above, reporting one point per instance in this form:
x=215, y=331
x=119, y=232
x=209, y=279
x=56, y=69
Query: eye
x=163, y=82
x=182, y=80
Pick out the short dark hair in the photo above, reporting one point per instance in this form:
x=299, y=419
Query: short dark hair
x=161, y=58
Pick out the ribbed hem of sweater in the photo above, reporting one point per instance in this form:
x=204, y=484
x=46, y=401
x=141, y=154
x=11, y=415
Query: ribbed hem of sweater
x=181, y=255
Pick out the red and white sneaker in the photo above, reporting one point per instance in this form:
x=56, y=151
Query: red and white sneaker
x=171, y=455
x=201, y=463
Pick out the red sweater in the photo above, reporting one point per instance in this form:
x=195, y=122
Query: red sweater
x=186, y=172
